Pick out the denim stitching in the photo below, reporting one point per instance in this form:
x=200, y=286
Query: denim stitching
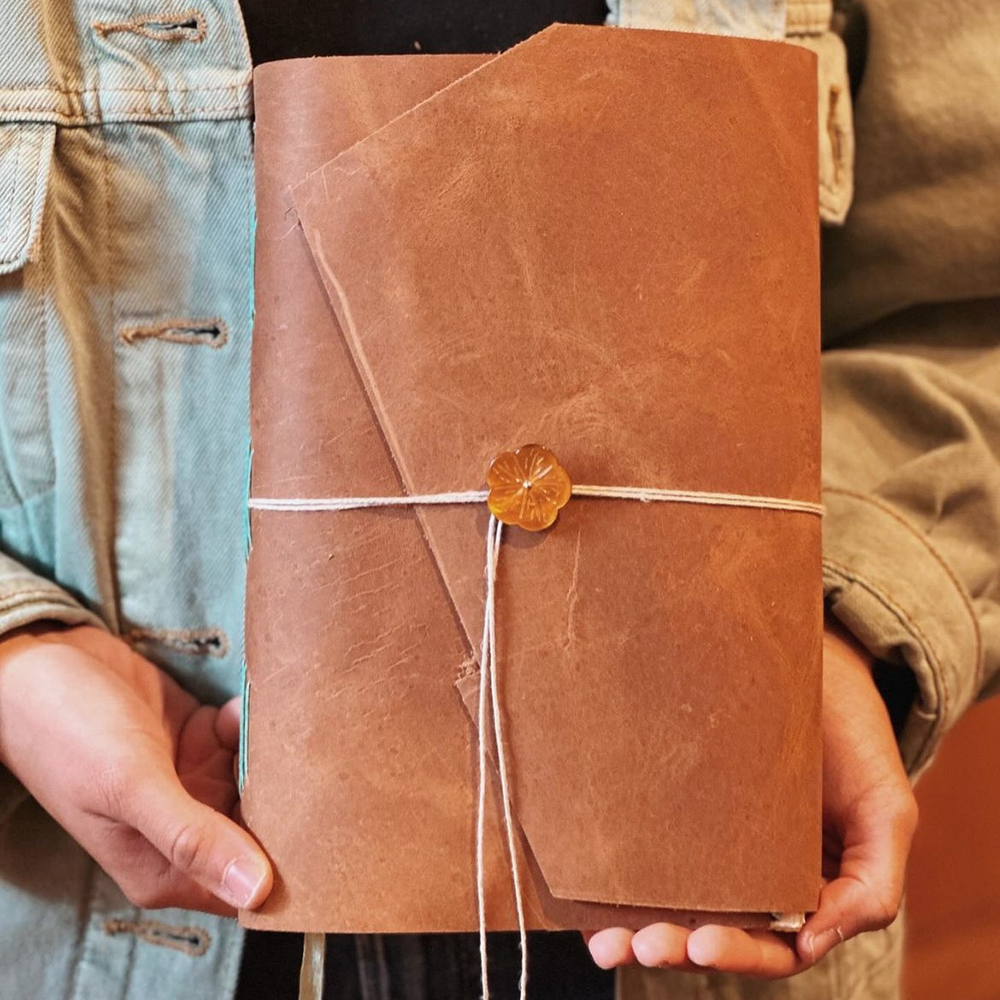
x=204, y=332
x=110, y=249
x=160, y=28
x=130, y=115
x=191, y=940
x=238, y=89
x=11, y=197
x=13, y=597
x=51, y=88
x=190, y=642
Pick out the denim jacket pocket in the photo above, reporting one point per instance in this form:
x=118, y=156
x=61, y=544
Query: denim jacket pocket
x=27, y=466
x=25, y=156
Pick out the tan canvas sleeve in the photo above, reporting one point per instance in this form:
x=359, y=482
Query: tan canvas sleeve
x=912, y=532
x=26, y=597
x=911, y=377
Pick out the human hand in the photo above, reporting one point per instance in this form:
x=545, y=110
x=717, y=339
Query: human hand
x=131, y=765
x=869, y=817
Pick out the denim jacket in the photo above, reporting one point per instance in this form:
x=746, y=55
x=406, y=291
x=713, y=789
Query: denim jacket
x=126, y=225
x=126, y=230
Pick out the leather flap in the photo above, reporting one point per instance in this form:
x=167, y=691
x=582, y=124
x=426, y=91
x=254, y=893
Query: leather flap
x=497, y=286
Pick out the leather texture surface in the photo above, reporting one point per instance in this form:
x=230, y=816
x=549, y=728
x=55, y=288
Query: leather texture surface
x=525, y=248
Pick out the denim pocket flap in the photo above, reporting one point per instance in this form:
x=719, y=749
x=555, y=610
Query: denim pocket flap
x=25, y=156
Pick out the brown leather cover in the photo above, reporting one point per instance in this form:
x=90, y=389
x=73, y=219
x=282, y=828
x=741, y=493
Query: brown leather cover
x=603, y=240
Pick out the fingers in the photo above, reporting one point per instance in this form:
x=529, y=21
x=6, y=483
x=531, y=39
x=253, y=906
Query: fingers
x=869, y=808
x=611, y=947
x=663, y=946
x=146, y=877
x=762, y=954
x=133, y=768
x=201, y=844
x=847, y=907
x=227, y=724
x=867, y=893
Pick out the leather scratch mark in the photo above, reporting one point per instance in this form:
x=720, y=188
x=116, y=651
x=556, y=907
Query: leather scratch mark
x=337, y=286
x=353, y=659
x=457, y=178
x=684, y=286
x=573, y=596
x=592, y=127
x=380, y=643
x=291, y=229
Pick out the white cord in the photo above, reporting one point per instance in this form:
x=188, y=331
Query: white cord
x=644, y=494
x=488, y=676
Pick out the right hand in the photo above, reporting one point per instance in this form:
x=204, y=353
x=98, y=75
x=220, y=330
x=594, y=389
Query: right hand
x=135, y=769
x=869, y=817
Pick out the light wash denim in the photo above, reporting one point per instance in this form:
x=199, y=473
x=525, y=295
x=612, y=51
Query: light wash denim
x=126, y=217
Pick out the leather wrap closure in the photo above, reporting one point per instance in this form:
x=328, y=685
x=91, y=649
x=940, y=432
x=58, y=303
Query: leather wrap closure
x=531, y=252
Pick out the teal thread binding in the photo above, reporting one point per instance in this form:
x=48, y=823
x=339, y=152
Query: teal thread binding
x=244, y=682
x=248, y=540
x=244, y=729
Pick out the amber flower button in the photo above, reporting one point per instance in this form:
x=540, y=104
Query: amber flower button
x=528, y=487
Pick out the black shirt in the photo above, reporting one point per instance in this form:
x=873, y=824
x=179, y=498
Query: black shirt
x=288, y=29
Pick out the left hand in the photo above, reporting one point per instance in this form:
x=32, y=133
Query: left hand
x=134, y=768
x=869, y=817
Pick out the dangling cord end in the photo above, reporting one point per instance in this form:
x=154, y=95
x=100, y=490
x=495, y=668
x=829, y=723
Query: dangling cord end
x=492, y=534
x=311, y=976
x=491, y=559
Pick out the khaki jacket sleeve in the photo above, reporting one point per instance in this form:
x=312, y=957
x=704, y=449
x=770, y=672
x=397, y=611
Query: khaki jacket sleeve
x=912, y=491
x=911, y=377
x=26, y=597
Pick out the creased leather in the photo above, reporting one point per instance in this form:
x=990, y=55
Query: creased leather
x=532, y=251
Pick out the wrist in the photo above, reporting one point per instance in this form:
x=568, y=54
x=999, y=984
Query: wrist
x=24, y=683
x=895, y=683
x=33, y=630
x=844, y=644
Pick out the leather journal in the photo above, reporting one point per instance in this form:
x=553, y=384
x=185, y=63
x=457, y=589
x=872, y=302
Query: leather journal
x=602, y=241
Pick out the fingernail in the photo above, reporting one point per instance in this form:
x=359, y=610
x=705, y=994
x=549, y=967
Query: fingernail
x=242, y=879
x=820, y=944
x=701, y=954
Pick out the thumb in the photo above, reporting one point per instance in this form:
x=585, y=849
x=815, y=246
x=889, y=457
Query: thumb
x=867, y=892
x=200, y=843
